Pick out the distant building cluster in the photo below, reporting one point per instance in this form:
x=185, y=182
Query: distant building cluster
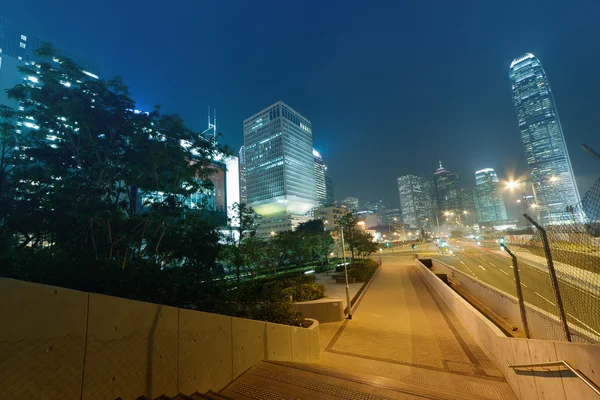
x=285, y=179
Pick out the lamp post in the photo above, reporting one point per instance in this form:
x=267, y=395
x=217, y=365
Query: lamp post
x=521, y=186
x=346, y=274
x=380, y=250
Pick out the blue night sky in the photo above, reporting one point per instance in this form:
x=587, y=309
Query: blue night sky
x=390, y=87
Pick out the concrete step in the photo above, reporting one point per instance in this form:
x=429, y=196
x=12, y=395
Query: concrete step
x=288, y=381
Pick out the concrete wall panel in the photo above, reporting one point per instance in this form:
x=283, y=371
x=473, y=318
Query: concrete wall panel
x=315, y=345
x=279, y=342
x=205, y=351
x=130, y=350
x=249, y=338
x=42, y=341
x=300, y=344
x=323, y=310
x=548, y=383
x=584, y=357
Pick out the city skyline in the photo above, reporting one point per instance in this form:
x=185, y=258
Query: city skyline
x=345, y=120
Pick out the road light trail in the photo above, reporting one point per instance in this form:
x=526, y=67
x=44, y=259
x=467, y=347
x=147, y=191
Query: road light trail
x=504, y=272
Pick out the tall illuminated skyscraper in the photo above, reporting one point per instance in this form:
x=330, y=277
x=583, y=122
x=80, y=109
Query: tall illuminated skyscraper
x=416, y=201
x=489, y=201
x=542, y=135
x=320, y=181
x=243, y=194
x=446, y=189
x=280, y=171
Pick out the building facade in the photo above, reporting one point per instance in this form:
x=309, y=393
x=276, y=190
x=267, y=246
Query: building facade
x=17, y=47
x=467, y=205
x=330, y=190
x=351, y=203
x=243, y=193
x=280, y=172
x=489, y=200
x=320, y=180
x=446, y=191
x=416, y=201
x=330, y=215
x=542, y=135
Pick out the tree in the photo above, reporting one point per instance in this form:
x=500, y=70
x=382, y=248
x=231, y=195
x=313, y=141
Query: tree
x=99, y=180
x=352, y=234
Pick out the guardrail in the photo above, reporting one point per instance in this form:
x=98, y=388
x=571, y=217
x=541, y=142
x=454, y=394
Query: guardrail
x=577, y=373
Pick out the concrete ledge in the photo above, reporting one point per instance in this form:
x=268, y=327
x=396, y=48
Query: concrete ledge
x=323, y=310
x=58, y=343
x=527, y=385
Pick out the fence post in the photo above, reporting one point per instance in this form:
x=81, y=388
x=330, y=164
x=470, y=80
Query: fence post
x=519, y=291
x=548, y=253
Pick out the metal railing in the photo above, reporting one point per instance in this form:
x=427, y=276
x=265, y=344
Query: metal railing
x=563, y=363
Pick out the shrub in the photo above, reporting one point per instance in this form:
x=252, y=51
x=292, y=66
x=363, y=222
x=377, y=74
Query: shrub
x=305, y=292
x=362, y=272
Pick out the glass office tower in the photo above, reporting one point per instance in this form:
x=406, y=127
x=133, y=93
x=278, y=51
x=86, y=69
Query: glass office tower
x=280, y=172
x=446, y=189
x=416, y=201
x=320, y=182
x=545, y=148
x=489, y=201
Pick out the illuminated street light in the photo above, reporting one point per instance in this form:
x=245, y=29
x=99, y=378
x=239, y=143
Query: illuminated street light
x=272, y=233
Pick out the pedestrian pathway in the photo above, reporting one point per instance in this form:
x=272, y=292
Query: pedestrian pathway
x=403, y=330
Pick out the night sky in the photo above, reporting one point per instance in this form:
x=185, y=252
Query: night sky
x=390, y=87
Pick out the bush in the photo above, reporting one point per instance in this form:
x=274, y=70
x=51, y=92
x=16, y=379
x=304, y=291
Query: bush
x=362, y=271
x=305, y=292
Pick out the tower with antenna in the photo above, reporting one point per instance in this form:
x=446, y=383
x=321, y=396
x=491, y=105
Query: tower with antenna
x=211, y=132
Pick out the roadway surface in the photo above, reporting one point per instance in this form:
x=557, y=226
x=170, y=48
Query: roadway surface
x=489, y=264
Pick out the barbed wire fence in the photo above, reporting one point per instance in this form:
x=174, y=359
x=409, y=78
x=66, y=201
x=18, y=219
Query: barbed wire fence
x=559, y=270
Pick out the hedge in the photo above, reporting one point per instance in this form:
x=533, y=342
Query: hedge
x=305, y=292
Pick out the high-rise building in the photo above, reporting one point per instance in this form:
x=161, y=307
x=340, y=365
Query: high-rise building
x=320, y=180
x=17, y=47
x=351, y=203
x=467, y=206
x=542, y=135
x=489, y=200
x=416, y=201
x=280, y=172
x=330, y=190
x=243, y=194
x=446, y=190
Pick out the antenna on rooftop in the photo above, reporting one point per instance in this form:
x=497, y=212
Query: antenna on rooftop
x=211, y=131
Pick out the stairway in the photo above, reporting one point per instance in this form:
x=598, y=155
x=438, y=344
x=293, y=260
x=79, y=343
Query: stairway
x=290, y=381
x=270, y=380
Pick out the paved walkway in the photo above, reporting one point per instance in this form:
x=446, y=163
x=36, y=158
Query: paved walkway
x=336, y=290
x=404, y=331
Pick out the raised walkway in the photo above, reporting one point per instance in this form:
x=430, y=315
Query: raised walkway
x=402, y=330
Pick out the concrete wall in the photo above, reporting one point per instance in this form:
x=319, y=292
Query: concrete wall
x=527, y=385
x=61, y=343
x=323, y=310
x=507, y=306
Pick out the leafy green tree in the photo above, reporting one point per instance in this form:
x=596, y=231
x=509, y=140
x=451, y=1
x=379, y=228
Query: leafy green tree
x=90, y=158
x=352, y=234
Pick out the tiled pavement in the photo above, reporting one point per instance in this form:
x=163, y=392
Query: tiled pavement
x=404, y=331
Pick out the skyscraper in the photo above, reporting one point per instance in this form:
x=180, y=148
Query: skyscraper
x=351, y=203
x=243, y=194
x=446, y=190
x=330, y=190
x=489, y=201
x=17, y=47
x=280, y=172
x=467, y=206
x=416, y=202
x=542, y=135
x=320, y=181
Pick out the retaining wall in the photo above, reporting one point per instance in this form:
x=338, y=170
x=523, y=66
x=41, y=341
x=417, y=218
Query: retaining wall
x=323, y=310
x=538, y=385
x=57, y=343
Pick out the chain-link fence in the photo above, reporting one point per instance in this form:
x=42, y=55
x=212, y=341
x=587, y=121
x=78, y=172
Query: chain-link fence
x=560, y=272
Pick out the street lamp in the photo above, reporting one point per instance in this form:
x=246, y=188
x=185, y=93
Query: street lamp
x=380, y=250
x=346, y=274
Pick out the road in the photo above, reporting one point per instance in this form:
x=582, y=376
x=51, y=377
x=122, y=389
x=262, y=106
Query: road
x=487, y=263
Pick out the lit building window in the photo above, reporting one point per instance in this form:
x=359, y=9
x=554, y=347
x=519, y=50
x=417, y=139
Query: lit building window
x=22, y=45
x=24, y=38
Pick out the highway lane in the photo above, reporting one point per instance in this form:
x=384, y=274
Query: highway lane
x=487, y=264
